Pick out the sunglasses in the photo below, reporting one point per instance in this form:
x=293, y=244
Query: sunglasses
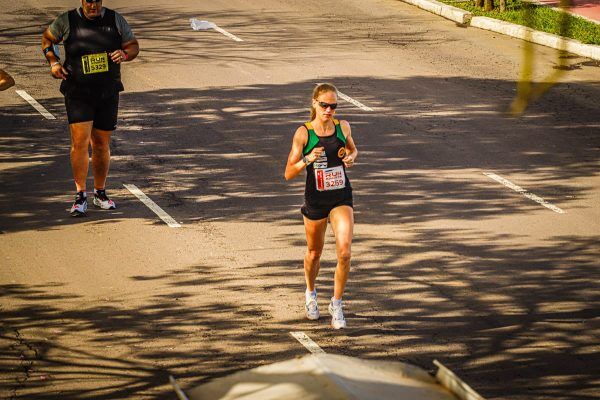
x=93, y=1
x=325, y=105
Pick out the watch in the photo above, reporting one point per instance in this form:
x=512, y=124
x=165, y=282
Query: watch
x=306, y=162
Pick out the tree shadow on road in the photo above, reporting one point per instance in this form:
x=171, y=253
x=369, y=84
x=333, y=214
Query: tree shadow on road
x=68, y=347
x=492, y=311
x=514, y=321
x=220, y=153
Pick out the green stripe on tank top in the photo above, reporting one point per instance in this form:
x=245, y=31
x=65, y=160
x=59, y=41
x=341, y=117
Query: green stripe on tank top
x=313, y=139
x=339, y=133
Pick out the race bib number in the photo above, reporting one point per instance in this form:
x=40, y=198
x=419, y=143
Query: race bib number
x=330, y=178
x=94, y=63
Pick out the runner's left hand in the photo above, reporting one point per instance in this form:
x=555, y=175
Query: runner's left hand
x=348, y=161
x=118, y=56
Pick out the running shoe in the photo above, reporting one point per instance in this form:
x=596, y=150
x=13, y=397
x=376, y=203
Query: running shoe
x=312, y=308
x=337, y=316
x=80, y=206
x=101, y=200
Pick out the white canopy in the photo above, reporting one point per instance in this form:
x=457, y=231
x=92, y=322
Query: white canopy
x=326, y=376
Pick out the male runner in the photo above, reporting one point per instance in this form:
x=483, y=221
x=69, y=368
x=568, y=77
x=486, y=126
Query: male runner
x=97, y=40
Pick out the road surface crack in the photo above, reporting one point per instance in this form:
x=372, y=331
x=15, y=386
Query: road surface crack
x=27, y=355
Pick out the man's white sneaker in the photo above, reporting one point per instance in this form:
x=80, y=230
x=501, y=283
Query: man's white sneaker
x=312, y=308
x=101, y=200
x=337, y=316
x=79, y=208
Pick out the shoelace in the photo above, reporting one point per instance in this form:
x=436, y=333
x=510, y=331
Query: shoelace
x=337, y=313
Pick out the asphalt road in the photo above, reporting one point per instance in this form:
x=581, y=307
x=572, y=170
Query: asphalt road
x=448, y=264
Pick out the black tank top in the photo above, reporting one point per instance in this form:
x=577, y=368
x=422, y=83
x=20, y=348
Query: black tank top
x=91, y=71
x=327, y=183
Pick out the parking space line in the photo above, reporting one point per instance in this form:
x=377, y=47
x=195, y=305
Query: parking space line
x=351, y=100
x=40, y=108
x=152, y=205
x=355, y=102
x=524, y=192
x=307, y=342
x=229, y=35
x=198, y=25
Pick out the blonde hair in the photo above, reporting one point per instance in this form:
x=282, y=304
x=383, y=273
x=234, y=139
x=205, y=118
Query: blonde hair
x=320, y=89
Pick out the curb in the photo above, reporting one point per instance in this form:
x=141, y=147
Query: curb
x=452, y=13
x=531, y=35
x=507, y=28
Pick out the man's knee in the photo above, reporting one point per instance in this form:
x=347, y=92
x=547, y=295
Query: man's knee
x=100, y=146
x=80, y=145
x=100, y=143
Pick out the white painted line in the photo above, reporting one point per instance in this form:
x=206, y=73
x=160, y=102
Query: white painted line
x=307, y=342
x=152, y=205
x=351, y=100
x=229, y=35
x=524, y=192
x=198, y=25
x=355, y=102
x=35, y=104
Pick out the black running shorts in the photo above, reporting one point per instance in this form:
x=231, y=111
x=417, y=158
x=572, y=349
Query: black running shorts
x=103, y=111
x=316, y=213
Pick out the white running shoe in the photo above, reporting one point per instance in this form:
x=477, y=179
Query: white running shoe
x=312, y=308
x=337, y=316
x=101, y=200
x=79, y=208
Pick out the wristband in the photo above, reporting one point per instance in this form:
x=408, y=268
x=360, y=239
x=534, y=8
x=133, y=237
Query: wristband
x=48, y=49
x=126, y=57
x=54, y=63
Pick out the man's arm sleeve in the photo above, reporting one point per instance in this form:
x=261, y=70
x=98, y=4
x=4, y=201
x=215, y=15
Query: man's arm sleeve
x=60, y=26
x=124, y=28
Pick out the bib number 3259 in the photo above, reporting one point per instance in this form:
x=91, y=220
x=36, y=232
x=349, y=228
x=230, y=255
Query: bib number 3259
x=94, y=63
x=330, y=178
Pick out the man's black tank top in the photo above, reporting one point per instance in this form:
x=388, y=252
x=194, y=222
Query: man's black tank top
x=327, y=183
x=91, y=71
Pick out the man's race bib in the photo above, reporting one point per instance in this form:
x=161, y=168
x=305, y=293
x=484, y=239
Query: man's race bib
x=94, y=63
x=330, y=178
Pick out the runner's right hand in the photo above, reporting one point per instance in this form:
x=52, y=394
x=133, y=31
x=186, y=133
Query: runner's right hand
x=59, y=72
x=315, y=154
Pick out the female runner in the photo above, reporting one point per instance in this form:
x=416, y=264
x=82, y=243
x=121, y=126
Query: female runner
x=325, y=148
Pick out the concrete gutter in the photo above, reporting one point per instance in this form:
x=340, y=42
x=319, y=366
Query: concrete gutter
x=507, y=28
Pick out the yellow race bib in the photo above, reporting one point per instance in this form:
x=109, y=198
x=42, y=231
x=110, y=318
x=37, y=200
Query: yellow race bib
x=94, y=63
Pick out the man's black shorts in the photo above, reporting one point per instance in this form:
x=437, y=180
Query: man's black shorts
x=316, y=213
x=103, y=111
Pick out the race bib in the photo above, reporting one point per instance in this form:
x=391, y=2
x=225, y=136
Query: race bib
x=330, y=178
x=94, y=63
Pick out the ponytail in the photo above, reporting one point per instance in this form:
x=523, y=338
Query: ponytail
x=321, y=88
